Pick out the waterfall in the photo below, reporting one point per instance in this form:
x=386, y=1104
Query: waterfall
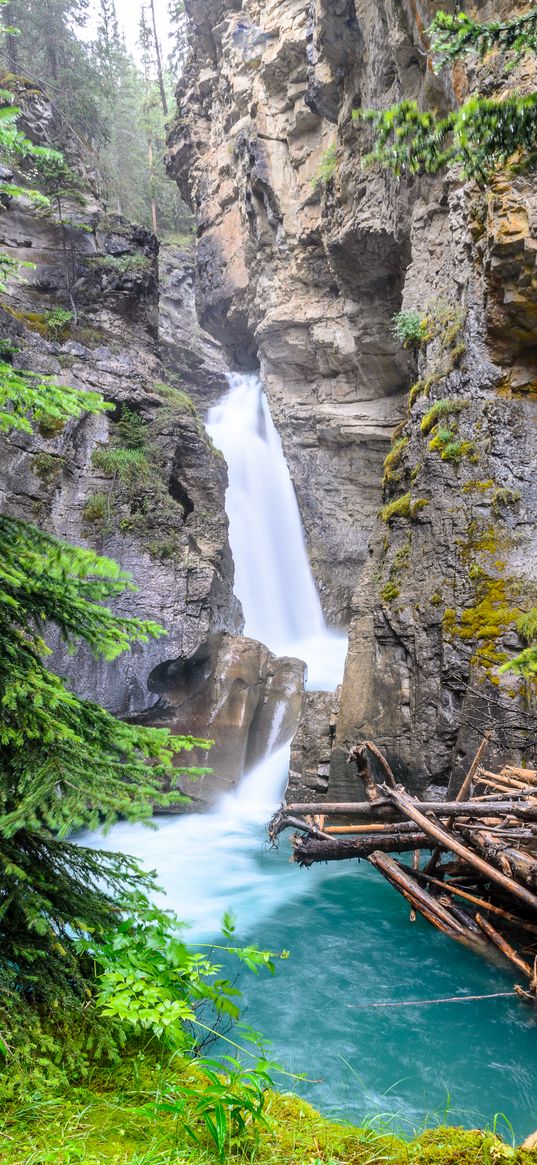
x=273, y=579
x=218, y=855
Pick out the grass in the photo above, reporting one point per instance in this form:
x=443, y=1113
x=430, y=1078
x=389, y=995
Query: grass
x=111, y=1121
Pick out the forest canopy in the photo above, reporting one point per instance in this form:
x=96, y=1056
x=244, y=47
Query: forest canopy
x=113, y=103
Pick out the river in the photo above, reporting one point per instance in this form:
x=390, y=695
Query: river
x=351, y=942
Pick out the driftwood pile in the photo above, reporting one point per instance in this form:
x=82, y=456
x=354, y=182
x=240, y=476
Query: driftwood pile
x=479, y=884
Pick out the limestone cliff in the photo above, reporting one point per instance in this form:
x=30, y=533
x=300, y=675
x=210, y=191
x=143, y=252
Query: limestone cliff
x=303, y=259
x=161, y=515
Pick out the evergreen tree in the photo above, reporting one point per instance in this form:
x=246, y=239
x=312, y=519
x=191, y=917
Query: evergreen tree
x=108, y=51
x=64, y=762
x=48, y=49
x=178, y=53
x=484, y=134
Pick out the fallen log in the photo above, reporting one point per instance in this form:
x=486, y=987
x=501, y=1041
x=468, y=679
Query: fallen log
x=465, y=788
x=515, y=807
x=481, y=902
x=403, y=881
x=444, y=838
x=308, y=850
x=513, y=862
x=395, y=827
x=501, y=943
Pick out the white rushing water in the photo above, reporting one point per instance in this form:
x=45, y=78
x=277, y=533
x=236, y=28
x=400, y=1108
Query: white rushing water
x=213, y=862
x=273, y=578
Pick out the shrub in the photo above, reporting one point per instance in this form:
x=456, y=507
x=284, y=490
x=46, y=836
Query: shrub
x=58, y=322
x=327, y=167
x=411, y=328
x=96, y=508
x=131, y=429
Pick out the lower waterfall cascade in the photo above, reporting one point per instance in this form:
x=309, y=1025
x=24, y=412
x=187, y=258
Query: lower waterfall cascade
x=348, y=933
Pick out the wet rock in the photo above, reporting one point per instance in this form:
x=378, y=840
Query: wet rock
x=235, y=691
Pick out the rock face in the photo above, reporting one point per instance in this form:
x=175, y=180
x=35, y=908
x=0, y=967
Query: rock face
x=290, y=273
x=235, y=691
x=160, y=514
x=303, y=276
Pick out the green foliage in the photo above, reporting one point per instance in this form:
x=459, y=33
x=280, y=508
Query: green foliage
x=447, y=442
x=525, y=663
x=97, y=508
x=447, y=407
x=123, y=264
x=65, y=763
x=149, y=980
x=27, y=398
x=58, y=320
x=390, y=591
x=327, y=167
x=455, y=36
x=176, y=397
x=482, y=136
x=47, y=466
x=229, y=1101
x=129, y=466
x=411, y=328
x=131, y=430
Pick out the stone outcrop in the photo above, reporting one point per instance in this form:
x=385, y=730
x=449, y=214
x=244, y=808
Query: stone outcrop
x=311, y=748
x=235, y=691
x=303, y=258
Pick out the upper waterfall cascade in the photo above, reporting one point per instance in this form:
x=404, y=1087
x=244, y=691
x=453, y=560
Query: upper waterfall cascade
x=273, y=578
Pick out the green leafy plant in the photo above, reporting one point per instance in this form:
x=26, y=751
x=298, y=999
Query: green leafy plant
x=482, y=136
x=150, y=980
x=455, y=36
x=411, y=328
x=525, y=663
x=123, y=264
x=27, y=399
x=58, y=320
x=227, y=1099
x=327, y=167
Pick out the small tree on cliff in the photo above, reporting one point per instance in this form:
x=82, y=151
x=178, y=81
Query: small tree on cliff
x=484, y=134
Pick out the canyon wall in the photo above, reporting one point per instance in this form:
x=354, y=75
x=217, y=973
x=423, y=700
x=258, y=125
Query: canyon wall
x=99, y=308
x=303, y=258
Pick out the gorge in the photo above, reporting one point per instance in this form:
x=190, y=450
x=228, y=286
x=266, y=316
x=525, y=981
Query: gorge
x=317, y=463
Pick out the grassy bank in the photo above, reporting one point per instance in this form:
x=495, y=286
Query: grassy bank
x=120, y=1118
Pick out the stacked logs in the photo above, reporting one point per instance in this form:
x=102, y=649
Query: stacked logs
x=479, y=883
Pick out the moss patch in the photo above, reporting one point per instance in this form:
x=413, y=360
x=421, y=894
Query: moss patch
x=393, y=463
x=111, y=1122
x=403, y=507
x=446, y=407
x=48, y=467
